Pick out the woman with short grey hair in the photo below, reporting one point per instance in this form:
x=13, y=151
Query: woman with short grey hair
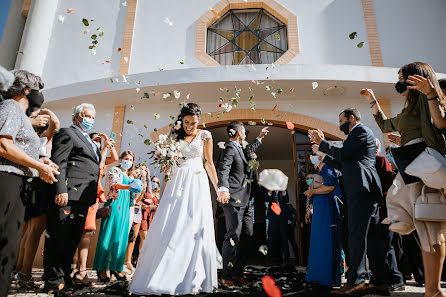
x=19, y=163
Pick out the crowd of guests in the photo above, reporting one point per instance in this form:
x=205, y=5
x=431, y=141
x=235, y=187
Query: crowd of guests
x=53, y=177
x=378, y=196
x=53, y=180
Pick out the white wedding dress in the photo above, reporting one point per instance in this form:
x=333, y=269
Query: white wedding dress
x=179, y=255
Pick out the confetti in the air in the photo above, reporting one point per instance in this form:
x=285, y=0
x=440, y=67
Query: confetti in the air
x=71, y=10
x=156, y=116
x=290, y=125
x=314, y=85
x=276, y=208
x=126, y=59
x=353, y=35
x=269, y=285
x=119, y=49
x=167, y=21
x=263, y=249
x=187, y=96
x=232, y=241
x=176, y=94
x=61, y=19
x=166, y=95
x=137, y=90
x=221, y=145
x=85, y=31
x=124, y=3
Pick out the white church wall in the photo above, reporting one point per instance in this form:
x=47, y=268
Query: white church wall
x=323, y=37
x=71, y=61
x=412, y=30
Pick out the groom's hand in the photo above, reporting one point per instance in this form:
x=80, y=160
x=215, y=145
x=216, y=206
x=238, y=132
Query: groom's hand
x=223, y=197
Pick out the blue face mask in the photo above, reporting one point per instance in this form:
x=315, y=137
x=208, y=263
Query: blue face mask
x=87, y=124
x=309, y=181
x=154, y=186
x=314, y=160
x=126, y=164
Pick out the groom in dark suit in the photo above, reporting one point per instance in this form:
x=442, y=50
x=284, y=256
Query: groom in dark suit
x=234, y=182
x=75, y=191
x=356, y=161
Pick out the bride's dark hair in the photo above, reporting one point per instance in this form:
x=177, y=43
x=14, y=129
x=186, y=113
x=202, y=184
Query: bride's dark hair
x=189, y=109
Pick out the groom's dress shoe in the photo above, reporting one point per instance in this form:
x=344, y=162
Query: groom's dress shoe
x=241, y=281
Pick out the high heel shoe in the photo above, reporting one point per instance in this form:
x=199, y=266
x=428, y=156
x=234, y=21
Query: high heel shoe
x=118, y=277
x=85, y=280
x=106, y=279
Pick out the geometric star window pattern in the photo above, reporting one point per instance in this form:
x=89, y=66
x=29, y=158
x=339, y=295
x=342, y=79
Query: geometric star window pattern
x=248, y=36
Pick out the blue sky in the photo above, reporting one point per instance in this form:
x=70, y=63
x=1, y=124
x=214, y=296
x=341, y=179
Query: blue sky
x=4, y=10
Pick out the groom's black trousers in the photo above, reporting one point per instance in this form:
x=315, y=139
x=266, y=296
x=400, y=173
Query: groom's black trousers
x=239, y=226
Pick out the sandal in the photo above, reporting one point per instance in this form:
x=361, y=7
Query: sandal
x=86, y=281
x=25, y=281
x=118, y=277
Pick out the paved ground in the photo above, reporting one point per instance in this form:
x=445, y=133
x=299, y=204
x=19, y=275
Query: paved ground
x=288, y=279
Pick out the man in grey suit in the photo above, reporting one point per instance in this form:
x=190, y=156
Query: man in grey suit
x=234, y=182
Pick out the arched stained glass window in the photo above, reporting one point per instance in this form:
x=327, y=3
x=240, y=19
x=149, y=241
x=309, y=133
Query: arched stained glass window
x=249, y=36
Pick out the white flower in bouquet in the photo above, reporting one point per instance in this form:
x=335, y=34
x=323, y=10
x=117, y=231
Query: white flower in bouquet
x=167, y=154
x=162, y=138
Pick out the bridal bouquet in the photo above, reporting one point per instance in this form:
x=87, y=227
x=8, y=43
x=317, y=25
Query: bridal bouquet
x=167, y=154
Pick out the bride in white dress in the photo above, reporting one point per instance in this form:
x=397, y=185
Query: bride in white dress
x=179, y=255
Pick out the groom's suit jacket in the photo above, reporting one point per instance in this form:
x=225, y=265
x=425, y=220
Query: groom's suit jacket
x=233, y=171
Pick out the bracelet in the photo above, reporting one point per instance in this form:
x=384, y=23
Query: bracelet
x=433, y=98
x=372, y=103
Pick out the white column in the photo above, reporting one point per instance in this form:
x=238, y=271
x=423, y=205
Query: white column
x=36, y=36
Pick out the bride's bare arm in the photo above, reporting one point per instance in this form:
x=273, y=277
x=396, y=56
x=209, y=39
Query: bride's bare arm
x=209, y=163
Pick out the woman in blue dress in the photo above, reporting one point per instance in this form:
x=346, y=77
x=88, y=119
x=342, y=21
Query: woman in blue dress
x=324, y=262
x=114, y=232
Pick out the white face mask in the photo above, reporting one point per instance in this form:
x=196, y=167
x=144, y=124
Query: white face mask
x=315, y=160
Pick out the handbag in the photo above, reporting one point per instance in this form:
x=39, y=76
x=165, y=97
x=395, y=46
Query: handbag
x=430, y=167
x=103, y=212
x=318, y=181
x=405, y=155
x=430, y=207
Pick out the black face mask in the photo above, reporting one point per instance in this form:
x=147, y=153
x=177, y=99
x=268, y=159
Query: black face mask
x=401, y=86
x=345, y=127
